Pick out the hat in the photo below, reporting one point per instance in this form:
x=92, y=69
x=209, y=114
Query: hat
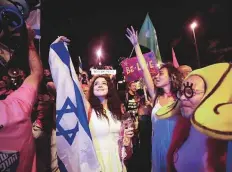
x=213, y=116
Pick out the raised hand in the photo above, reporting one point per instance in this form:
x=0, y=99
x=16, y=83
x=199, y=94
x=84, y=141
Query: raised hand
x=132, y=35
x=31, y=36
x=31, y=33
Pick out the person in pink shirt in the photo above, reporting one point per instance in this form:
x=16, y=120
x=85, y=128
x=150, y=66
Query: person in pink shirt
x=17, y=149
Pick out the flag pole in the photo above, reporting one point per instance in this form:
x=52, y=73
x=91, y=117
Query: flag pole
x=79, y=59
x=145, y=93
x=80, y=62
x=132, y=52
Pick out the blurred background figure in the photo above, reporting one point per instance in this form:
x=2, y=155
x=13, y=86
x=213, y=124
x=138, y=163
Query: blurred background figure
x=185, y=70
x=85, y=89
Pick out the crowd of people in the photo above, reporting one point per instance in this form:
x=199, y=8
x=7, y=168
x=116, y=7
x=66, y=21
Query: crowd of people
x=179, y=120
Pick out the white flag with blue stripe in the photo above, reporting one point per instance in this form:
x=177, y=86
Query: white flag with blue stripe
x=34, y=21
x=73, y=139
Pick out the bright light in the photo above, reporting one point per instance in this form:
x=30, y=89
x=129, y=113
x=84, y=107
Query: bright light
x=99, y=52
x=193, y=25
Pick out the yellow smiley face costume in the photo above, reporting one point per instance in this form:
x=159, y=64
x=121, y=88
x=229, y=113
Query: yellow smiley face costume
x=213, y=116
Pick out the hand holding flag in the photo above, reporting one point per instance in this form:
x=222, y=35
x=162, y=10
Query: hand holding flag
x=75, y=148
x=31, y=33
x=61, y=39
x=34, y=21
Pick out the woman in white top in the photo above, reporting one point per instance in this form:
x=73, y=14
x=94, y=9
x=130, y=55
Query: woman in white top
x=162, y=92
x=105, y=125
x=111, y=138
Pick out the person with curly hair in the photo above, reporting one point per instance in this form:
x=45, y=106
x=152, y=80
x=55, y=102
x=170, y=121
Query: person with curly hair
x=162, y=92
x=105, y=122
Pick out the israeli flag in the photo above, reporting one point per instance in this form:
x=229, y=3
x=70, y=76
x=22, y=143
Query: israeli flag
x=73, y=139
x=34, y=21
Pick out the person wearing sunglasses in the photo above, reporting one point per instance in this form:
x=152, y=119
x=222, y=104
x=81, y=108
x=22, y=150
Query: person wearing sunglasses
x=201, y=135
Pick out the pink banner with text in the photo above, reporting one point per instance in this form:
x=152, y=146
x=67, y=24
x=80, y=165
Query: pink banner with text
x=132, y=71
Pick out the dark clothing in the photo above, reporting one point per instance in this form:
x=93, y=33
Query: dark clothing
x=131, y=102
x=141, y=158
x=145, y=142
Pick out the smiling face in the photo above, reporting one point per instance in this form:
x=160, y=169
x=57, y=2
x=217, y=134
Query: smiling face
x=191, y=94
x=162, y=79
x=100, y=88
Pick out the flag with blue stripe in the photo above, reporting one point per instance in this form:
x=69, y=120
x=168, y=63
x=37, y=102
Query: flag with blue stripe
x=73, y=139
x=34, y=21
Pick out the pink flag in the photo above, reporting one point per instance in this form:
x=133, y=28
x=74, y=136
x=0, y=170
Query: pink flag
x=174, y=60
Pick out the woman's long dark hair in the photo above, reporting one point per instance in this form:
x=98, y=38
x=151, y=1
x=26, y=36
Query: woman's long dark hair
x=175, y=79
x=113, y=101
x=216, y=149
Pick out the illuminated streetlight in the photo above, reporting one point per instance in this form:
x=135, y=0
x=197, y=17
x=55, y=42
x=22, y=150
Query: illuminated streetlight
x=99, y=54
x=193, y=26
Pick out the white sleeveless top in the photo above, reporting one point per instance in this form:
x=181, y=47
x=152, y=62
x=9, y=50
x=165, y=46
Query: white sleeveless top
x=105, y=137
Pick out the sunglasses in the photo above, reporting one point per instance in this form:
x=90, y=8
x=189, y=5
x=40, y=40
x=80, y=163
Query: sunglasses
x=187, y=91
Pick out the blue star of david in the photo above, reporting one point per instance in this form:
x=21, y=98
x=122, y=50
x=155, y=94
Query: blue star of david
x=69, y=135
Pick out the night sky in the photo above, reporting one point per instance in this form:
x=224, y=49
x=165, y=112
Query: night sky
x=94, y=24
